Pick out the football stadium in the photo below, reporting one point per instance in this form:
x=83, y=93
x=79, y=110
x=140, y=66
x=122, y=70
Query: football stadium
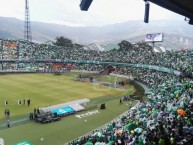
x=71, y=94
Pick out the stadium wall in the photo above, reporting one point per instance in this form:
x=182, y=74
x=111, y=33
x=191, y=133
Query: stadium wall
x=144, y=66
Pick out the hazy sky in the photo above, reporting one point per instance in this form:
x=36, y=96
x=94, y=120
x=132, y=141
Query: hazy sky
x=101, y=12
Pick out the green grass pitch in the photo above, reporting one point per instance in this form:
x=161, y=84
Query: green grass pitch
x=47, y=89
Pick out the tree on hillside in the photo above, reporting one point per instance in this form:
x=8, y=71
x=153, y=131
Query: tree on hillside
x=62, y=41
x=125, y=45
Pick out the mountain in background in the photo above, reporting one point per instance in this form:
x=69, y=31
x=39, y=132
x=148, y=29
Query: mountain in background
x=177, y=34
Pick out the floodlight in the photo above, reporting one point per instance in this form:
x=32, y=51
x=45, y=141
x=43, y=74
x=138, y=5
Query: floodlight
x=85, y=4
x=146, y=17
x=191, y=21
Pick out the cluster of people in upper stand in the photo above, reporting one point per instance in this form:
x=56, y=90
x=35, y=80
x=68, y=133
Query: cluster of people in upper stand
x=128, y=53
x=165, y=118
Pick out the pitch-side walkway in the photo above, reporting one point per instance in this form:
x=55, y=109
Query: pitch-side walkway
x=145, y=87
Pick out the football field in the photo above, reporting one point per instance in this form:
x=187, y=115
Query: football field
x=45, y=90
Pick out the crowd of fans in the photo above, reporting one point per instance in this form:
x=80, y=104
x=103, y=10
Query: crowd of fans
x=128, y=53
x=165, y=118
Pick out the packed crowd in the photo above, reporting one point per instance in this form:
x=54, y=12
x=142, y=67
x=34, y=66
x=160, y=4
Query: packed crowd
x=128, y=53
x=165, y=118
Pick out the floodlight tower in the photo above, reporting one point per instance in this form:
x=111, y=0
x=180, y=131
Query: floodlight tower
x=85, y=4
x=27, y=28
x=146, y=16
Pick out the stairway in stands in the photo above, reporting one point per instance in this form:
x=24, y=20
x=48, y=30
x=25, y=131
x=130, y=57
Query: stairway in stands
x=106, y=71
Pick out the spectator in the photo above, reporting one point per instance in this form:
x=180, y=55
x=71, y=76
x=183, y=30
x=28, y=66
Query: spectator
x=8, y=124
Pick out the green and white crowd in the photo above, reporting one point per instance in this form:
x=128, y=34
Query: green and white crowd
x=165, y=118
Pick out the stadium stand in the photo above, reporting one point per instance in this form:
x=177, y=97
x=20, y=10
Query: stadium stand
x=165, y=118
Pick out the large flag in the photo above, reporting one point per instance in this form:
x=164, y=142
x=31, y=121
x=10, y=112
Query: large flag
x=23, y=143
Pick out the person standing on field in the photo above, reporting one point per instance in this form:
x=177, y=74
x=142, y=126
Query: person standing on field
x=8, y=124
x=6, y=102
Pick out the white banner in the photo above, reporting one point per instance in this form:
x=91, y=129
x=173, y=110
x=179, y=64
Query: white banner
x=156, y=37
x=1, y=141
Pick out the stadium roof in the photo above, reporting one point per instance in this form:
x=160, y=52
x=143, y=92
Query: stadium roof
x=159, y=49
x=94, y=46
x=182, y=7
x=111, y=47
